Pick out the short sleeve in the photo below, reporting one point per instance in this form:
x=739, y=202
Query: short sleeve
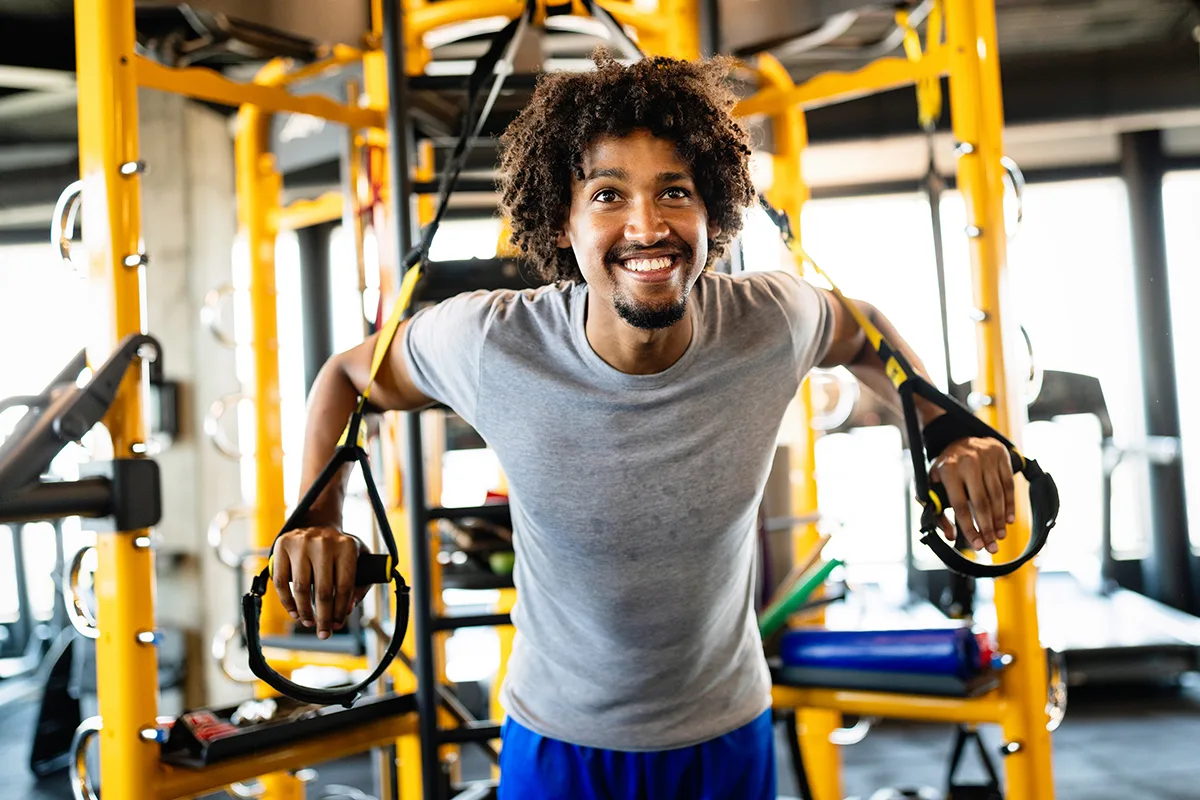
x=442, y=345
x=809, y=315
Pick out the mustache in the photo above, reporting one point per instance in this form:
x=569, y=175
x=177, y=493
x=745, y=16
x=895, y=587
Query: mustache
x=625, y=252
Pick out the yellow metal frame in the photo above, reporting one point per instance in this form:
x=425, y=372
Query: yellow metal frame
x=110, y=73
x=968, y=56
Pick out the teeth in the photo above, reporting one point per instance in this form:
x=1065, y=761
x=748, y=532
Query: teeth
x=648, y=264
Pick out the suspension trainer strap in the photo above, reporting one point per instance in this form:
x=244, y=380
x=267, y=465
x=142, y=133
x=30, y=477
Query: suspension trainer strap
x=957, y=423
x=371, y=568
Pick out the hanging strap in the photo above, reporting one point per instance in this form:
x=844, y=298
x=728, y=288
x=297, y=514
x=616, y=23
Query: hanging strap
x=372, y=568
x=1043, y=493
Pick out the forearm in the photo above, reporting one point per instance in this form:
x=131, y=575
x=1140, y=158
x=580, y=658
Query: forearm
x=332, y=400
x=868, y=368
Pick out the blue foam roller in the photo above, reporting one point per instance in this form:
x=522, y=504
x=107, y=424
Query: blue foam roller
x=939, y=651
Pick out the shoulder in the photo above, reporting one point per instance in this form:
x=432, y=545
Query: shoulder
x=754, y=289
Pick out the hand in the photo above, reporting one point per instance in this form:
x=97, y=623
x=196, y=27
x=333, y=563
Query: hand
x=317, y=562
x=978, y=477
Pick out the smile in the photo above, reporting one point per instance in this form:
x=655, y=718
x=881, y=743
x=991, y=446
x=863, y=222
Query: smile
x=650, y=269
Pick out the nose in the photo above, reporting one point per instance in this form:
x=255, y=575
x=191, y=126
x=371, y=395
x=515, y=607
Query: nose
x=645, y=225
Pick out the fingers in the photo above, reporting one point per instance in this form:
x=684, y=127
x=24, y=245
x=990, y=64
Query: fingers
x=995, y=493
x=281, y=575
x=302, y=578
x=343, y=575
x=957, y=494
x=323, y=588
x=980, y=503
x=947, y=528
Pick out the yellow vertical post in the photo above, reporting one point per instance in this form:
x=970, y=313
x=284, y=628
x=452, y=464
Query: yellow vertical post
x=978, y=125
x=788, y=193
x=258, y=187
x=681, y=37
x=127, y=671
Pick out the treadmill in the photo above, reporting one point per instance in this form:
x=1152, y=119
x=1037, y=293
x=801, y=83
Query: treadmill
x=1107, y=633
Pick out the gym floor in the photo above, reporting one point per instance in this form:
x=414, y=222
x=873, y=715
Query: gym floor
x=1113, y=745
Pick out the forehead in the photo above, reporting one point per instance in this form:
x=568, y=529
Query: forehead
x=636, y=153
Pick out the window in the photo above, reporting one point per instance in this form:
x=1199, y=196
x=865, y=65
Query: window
x=1181, y=201
x=1070, y=283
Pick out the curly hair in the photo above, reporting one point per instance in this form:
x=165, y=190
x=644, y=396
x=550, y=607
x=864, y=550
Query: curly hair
x=684, y=102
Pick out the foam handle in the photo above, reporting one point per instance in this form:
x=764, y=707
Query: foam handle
x=373, y=568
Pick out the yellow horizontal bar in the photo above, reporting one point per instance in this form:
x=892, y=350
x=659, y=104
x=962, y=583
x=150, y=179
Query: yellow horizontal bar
x=987, y=708
x=438, y=15
x=205, y=84
x=340, y=56
x=175, y=783
x=626, y=13
x=305, y=213
x=838, y=87
x=288, y=660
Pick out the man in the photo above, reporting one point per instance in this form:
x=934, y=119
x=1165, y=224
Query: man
x=634, y=406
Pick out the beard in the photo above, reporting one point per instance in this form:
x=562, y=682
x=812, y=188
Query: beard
x=651, y=318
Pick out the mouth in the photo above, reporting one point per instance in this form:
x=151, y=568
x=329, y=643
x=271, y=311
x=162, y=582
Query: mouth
x=651, y=269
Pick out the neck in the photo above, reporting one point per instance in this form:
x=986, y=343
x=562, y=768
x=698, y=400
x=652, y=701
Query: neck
x=631, y=350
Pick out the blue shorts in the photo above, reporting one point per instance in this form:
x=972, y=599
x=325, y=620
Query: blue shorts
x=737, y=766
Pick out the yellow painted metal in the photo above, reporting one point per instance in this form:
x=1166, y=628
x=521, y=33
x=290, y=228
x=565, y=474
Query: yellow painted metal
x=929, y=89
x=284, y=661
x=978, y=123
x=174, y=783
x=424, y=171
x=258, y=189
x=505, y=633
x=328, y=207
x=205, y=84
x=127, y=671
x=988, y=708
x=836, y=87
x=788, y=192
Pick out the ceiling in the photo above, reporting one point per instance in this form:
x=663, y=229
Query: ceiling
x=1060, y=60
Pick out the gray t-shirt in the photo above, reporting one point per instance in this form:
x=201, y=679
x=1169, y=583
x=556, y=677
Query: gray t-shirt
x=634, y=498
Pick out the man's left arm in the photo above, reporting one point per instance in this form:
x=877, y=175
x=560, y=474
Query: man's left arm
x=976, y=472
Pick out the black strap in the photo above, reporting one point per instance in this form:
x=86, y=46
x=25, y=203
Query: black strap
x=370, y=568
x=1043, y=493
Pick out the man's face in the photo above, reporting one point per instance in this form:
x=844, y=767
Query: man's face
x=638, y=228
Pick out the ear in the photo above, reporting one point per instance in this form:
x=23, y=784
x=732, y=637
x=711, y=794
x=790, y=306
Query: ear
x=564, y=238
x=714, y=231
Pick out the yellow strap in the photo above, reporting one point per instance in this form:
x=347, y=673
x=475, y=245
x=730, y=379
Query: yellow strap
x=386, y=334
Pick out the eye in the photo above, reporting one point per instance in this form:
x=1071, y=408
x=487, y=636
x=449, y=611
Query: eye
x=606, y=196
x=677, y=193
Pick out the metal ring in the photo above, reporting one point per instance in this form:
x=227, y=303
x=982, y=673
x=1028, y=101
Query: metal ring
x=77, y=611
x=62, y=224
x=843, y=407
x=844, y=737
x=212, y=425
x=220, y=651
x=1056, y=700
x=1018, y=181
x=246, y=791
x=210, y=314
x=1033, y=386
x=81, y=785
x=216, y=534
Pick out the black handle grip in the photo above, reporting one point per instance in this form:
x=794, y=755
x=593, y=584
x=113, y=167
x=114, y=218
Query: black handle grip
x=373, y=568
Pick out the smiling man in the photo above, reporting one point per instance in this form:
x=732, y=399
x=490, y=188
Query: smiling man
x=634, y=404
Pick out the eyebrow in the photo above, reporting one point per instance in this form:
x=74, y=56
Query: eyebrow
x=622, y=175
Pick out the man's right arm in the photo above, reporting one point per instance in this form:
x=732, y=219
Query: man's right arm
x=317, y=562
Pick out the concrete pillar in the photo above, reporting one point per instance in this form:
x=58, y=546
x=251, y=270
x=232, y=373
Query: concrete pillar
x=189, y=223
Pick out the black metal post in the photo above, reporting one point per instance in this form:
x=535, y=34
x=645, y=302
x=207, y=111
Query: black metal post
x=414, y=476
x=710, y=28
x=1142, y=165
x=23, y=627
x=316, y=307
